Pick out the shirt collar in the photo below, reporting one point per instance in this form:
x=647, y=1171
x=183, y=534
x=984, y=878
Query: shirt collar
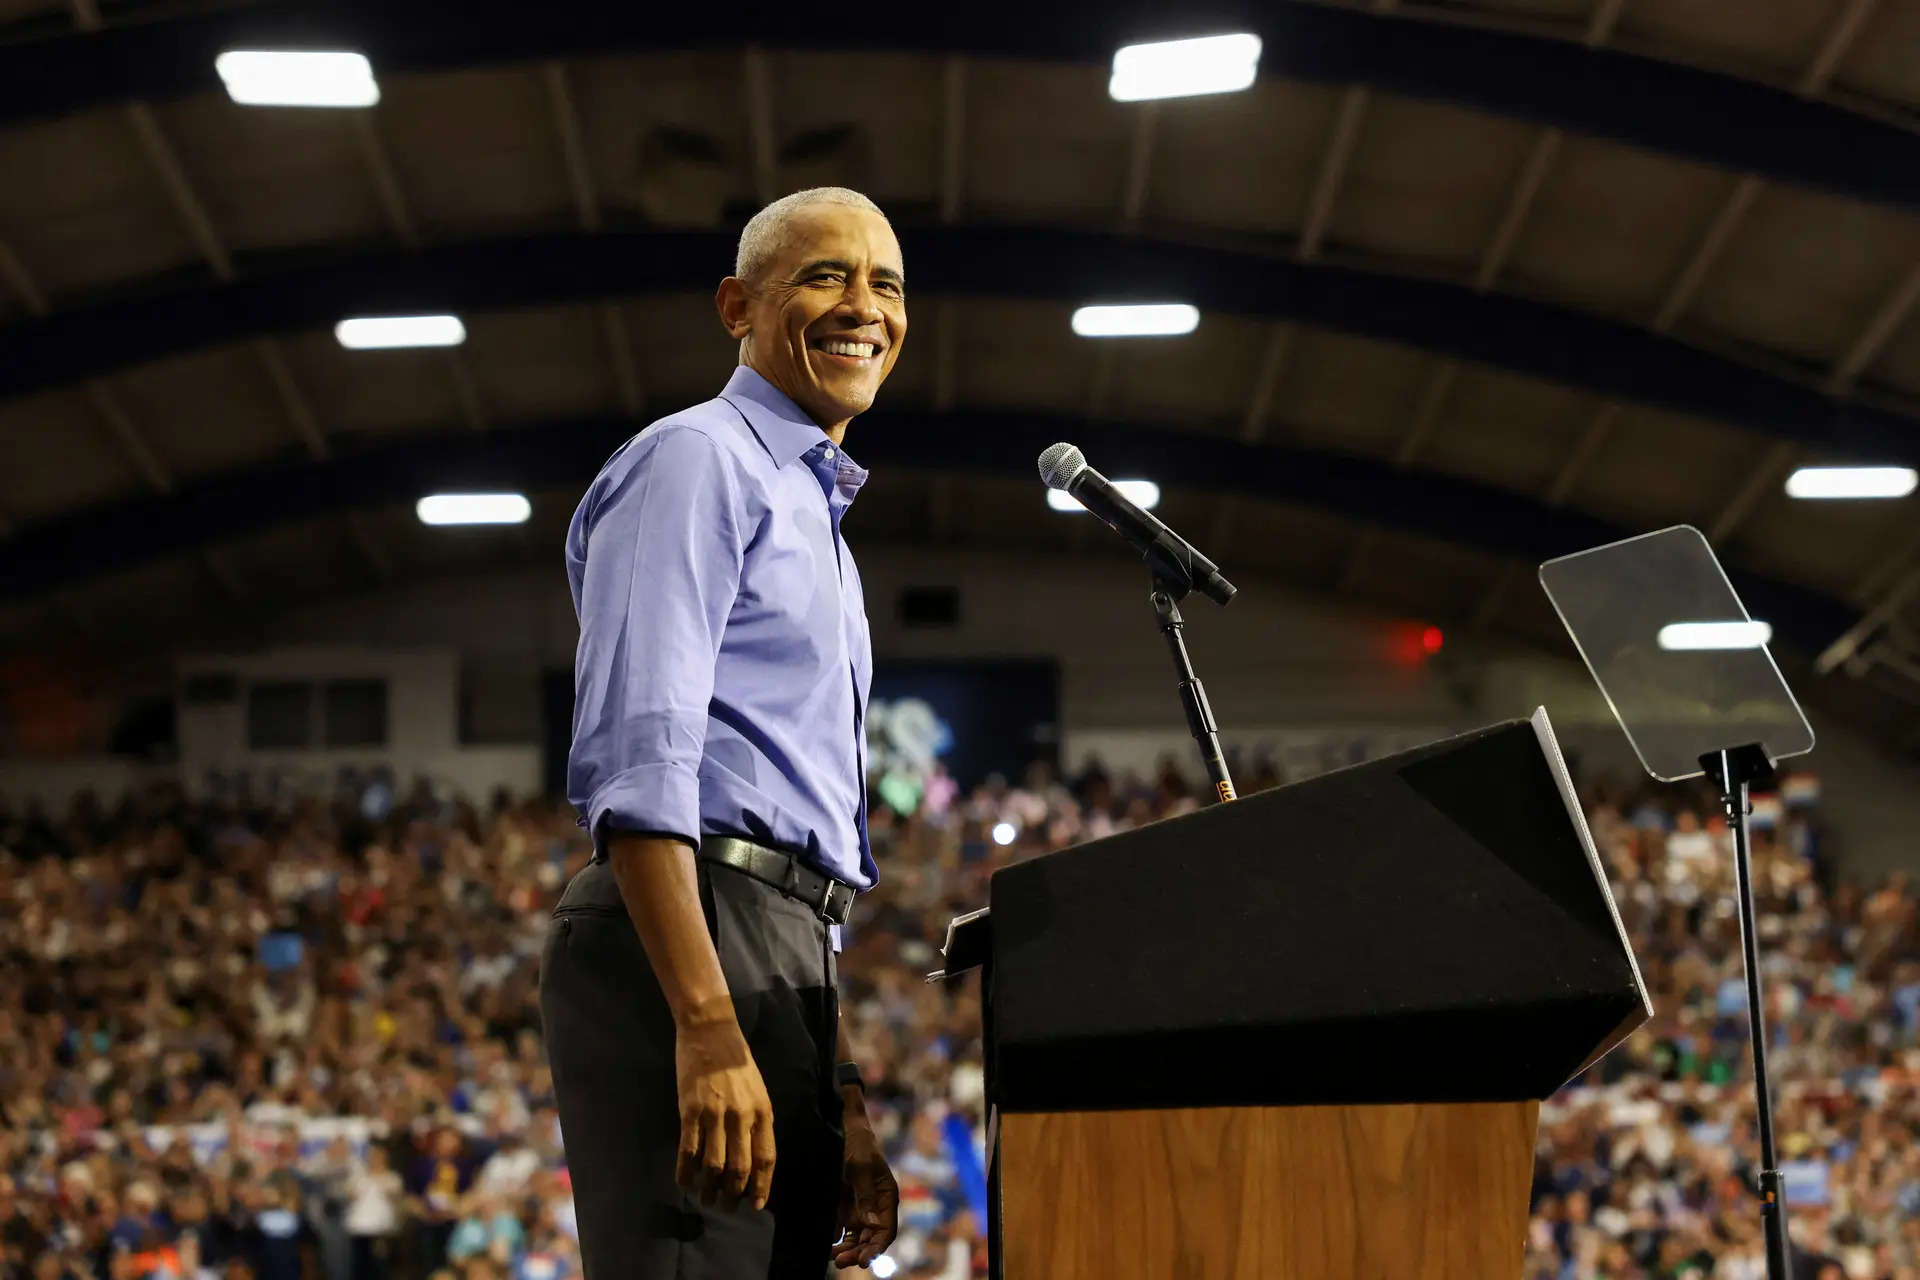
x=784, y=428
x=788, y=434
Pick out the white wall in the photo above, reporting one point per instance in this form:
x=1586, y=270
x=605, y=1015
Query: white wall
x=1272, y=656
x=423, y=710
x=1277, y=664
x=1275, y=657
x=422, y=695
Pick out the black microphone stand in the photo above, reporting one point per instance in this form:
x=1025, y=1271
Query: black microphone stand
x=1193, y=695
x=1734, y=771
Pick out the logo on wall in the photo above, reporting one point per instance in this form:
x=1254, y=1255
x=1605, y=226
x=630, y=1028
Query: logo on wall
x=905, y=739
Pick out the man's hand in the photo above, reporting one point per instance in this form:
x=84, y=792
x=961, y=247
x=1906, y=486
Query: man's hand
x=869, y=1197
x=726, y=1118
x=726, y=1121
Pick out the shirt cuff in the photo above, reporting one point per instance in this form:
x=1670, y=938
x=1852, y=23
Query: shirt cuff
x=660, y=797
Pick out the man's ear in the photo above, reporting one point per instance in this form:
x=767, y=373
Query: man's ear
x=733, y=302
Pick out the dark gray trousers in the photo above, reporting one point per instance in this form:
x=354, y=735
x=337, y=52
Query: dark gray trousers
x=609, y=1040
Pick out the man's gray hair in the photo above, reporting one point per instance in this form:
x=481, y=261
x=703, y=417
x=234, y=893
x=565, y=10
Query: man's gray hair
x=766, y=232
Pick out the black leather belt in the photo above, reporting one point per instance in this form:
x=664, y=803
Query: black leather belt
x=830, y=899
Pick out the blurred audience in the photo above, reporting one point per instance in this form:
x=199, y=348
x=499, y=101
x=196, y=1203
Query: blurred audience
x=299, y=1041
x=1646, y=1164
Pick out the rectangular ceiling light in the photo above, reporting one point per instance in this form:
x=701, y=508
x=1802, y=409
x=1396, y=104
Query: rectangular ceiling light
x=1715, y=635
x=1183, y=68
x=378, y=333
x=1136, y=320
x=1851, y=482
x=297, y=78
x=1144, y=494
x=473, y=508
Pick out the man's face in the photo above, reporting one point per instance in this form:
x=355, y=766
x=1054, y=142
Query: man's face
x=825, y=321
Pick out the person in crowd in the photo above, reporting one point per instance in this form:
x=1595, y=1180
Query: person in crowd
x=488, y=1227
x=372, y=1216
x=441, y=1178
x=282, y=1242
x=323, y=1176
x=512, y=1164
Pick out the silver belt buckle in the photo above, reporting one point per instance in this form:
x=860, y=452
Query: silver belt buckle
x=837, y=903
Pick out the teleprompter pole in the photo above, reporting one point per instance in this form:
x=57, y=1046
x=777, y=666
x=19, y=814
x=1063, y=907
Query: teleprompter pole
x=1734, y=771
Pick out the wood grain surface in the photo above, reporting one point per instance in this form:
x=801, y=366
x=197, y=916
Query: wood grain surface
x=1417, y=1192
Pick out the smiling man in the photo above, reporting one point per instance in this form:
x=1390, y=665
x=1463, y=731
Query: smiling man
x=714, y=1120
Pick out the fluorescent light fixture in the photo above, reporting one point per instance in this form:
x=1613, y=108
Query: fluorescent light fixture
x=1004, y=833
x=1136, y=320
x=1851, y=482
x=473, y=508
x=380, y=333
x=1183, y=68
x=1144, y=494
x=297, y=78
x=1715, y=635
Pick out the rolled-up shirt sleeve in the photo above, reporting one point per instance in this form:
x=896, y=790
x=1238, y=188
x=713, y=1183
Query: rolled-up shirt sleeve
x=663, y=552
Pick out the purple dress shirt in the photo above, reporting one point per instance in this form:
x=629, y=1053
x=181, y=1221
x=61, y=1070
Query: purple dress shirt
x=720, y=685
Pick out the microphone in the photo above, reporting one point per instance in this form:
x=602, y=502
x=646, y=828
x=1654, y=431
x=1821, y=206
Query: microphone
x=1172, y=557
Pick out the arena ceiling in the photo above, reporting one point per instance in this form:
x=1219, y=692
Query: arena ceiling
x=1482, y=283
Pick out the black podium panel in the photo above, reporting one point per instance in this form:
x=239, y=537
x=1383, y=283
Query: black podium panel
x=1428, y=927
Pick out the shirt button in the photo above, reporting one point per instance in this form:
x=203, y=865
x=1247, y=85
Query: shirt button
x=829, y=453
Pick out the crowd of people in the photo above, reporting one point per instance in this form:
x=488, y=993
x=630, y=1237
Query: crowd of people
x=295, y=1041
x=1647, y=1163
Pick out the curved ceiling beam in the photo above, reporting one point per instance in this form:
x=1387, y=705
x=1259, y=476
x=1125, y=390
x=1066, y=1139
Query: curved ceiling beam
x=304, y=291
x=568, y=453
x=1662, y=106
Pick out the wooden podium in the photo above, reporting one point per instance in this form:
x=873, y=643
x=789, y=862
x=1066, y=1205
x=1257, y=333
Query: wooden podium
x=1415, y=1192
x=1302, y=1034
